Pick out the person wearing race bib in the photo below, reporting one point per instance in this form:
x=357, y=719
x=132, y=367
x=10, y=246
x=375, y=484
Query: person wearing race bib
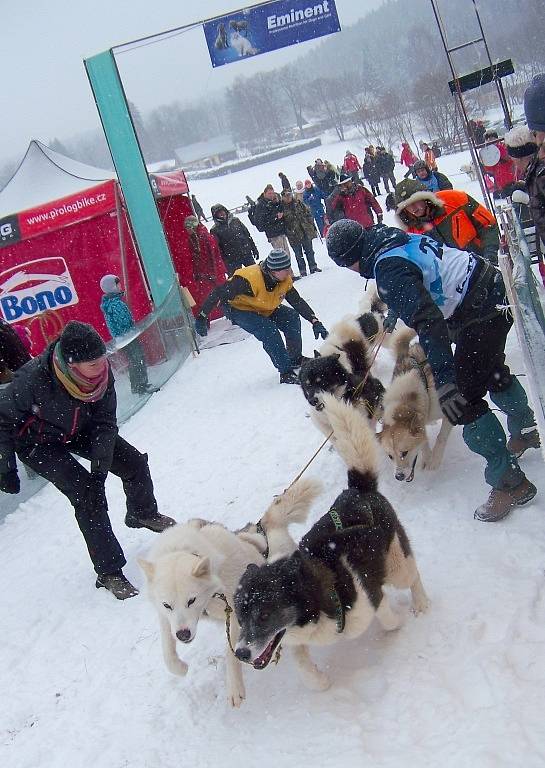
x=450, y=296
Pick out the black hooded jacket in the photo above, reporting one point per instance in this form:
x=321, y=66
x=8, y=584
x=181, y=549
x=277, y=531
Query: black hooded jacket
x=35, y=409
x=235, y=242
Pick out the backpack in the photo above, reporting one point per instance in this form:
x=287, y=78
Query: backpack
x=252, y=215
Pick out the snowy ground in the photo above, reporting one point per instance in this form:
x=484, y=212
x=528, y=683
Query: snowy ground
x=461, y=687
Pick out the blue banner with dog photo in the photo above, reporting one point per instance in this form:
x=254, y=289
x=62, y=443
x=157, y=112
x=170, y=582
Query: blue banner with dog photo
x=263, y=28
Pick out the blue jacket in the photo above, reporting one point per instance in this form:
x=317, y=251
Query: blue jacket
x=116, y=313
x=313, y=198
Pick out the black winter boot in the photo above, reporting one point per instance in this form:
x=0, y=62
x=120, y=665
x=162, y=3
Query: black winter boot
x=156, y=523
x=117, y=584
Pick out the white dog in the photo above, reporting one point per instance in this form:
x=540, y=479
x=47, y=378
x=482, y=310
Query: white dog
x=241, y=44
x=191, y=564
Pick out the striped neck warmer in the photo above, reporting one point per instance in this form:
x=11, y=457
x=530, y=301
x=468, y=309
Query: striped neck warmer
x=89, y=390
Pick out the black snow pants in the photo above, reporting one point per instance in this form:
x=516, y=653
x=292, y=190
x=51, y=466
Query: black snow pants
x=56, y=464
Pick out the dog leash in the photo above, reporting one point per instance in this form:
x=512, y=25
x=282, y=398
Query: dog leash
x=357, y=390
x=228, y=612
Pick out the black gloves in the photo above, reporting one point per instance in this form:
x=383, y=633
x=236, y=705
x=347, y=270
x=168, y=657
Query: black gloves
x=9, y=482
x=452, y=403
x=319, y=330
x=201, y=325
x=97, y=493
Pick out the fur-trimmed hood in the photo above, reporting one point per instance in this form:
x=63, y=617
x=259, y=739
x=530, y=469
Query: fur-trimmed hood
x=430, y=197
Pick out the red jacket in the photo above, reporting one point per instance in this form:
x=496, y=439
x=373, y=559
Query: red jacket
x=408, y=157
x=357, y=206
x=504, y=172
x=351, y=164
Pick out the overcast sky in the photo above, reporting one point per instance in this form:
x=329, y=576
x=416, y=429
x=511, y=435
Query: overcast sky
x=45, y=93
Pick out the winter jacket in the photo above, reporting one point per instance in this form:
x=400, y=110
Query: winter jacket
x=385, y=163
x=504, y=172
x=313, y=197
x=370, y=170
x=434, y=181
x=116, y=313
x=407, y=156
x=242, y=284
x=325, y=178
x=356, y=206
x=535, y=184
x=456, y=219
x=400, y=282
x=351, y=164
x=299, y=222
x=35, y=409
x=235, y=242
x=429, y=159
x=266, y=214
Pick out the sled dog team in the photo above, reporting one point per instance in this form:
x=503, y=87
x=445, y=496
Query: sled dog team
x=329, y=587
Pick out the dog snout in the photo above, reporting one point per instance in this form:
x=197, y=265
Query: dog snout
x=184, y=635
x=399, y=475
x=243, y=654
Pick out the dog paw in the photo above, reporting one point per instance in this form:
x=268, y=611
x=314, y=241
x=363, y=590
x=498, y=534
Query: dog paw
x=420, y=606
x=235, y=697
x=432, y=463
x=177, y=667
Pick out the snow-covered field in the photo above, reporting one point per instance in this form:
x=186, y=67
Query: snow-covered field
x=83, y=682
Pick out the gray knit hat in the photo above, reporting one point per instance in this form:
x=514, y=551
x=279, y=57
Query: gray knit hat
x=277, y=260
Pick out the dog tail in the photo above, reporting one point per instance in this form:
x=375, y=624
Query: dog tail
x=355, y=442
x=401, y=339
x=293, y=505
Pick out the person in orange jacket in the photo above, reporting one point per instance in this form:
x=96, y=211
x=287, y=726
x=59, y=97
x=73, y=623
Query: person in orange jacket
x=449, y=216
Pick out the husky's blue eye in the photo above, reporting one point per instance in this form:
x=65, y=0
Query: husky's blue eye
x=167, y=606
x=191, y=601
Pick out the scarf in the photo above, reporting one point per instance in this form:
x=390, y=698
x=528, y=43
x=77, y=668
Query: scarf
x=89, y=390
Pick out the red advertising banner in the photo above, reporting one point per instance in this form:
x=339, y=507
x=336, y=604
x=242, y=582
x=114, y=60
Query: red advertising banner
x=67, y=210
x=169, y=183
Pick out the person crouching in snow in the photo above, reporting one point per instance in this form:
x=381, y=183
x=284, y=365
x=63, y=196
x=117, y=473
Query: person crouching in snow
x=449, y=297
x=252, y=299
x=120, y=321
x=61, y=403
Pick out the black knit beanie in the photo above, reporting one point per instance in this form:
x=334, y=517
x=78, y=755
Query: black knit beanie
x=534, y=104
x=80, y=343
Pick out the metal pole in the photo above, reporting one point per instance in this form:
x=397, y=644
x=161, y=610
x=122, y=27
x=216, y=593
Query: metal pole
x=497, y=80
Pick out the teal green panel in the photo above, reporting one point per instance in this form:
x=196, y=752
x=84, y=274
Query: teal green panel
x=132, y=173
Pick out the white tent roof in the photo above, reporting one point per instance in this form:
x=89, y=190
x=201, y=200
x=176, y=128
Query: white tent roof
x=45, y=175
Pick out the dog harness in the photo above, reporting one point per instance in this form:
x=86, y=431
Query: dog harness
x=339, y=609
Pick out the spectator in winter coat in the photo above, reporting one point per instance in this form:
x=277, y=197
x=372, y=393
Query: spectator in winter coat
x=448, y=296
x=313, y=197
x=253, y=298
x=299, y=191
x=120, y=321
x=351, y=165
x=408, y=157
x=269, y=217
x=503, y=173
x=385, y=164
x=353, y=201
x=523, y=150
x=300, y=231
x=324, y=175
x=62, y=403
x=13, y=353
x=197, y=207
x=429, y=157
x=371, y=172
x=477, y=130
x=534, y=109
x=432, y=180
x=236, y=245
x=451, y=217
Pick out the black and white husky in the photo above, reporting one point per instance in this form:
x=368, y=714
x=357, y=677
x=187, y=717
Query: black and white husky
x=341, y=368
x=331, y=587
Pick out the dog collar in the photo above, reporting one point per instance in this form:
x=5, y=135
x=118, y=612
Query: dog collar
x=339, y=610
x=259, y=528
